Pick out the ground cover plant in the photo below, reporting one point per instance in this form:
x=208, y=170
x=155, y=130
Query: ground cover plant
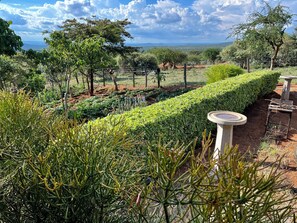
x=82, y=174
x=111, y=102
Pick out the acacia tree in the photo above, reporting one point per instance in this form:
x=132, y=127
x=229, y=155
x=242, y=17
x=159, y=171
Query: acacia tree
x=147, y=61
x=6, y=69
x=168, y=56
x=211, y=54
x=164, y=55
x=9, y=41
x=288, y=52
x=267, y=26
x=60, y=62
x=107, y=35
x=130, y=62
x=242, y=53
x=91, y=57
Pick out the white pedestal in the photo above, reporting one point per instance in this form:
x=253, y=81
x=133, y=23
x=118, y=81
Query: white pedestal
x=286, y=86
x=225, y=121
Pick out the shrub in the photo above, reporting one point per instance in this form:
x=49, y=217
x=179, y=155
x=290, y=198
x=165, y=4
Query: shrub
x=185, y=117
x=34, y=83
x=23, y=127
x=185, y=187
x=57, y=171
x=222, y=71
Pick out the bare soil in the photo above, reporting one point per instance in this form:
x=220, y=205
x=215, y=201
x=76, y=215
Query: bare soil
x=250, y=136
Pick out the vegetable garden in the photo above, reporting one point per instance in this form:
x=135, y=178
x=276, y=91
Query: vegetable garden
x=74, y=149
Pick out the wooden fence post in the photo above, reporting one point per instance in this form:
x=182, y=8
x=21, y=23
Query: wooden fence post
x=185, y=75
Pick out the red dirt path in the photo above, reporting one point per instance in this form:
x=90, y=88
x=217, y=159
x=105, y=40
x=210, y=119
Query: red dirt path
x=249, y=136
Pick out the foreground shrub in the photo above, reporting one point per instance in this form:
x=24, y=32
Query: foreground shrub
x=222, y=71
x=62, y=174
x=185, y=187
x=96, y=174
x=23, y=128
x=185, y=117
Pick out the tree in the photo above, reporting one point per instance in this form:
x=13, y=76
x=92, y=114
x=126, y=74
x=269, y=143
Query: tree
x=164, y=55
x=60, y=62
x=193, y=59
x=168, y=56
x=288, y=52
x=18, y=71
x=178, y=57
x=114, y=33
x=91, y=56
x=267, y=26
x=6, y=69
x=95, y=41
x=147, y=61
x=211, y=54
x=129, y=63
x=9, y=41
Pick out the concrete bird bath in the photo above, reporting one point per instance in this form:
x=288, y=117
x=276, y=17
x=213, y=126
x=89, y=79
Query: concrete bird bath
x=286, y=86
x=225, y=121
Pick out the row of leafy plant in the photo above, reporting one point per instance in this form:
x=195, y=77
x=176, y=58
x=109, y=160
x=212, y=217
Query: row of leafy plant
x=112, y=103
x=184, y=117
x=53, y=170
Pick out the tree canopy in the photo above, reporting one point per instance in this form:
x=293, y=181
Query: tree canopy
x=166, y=55
x=267, y=27
x=9, y=41
x=211, y=54
x=114, y=32
x=91, y=43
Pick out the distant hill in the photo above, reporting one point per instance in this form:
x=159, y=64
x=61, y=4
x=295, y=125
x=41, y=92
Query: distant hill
x=39, y=45
x=181, y=46
x=34, y=45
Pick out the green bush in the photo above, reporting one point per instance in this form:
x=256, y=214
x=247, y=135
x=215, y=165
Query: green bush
x=185, y=117
x=234, y=191
x=23, y=127
x=53, y=170
x=222, y=71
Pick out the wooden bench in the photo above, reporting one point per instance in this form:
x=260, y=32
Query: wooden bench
x=279, y=106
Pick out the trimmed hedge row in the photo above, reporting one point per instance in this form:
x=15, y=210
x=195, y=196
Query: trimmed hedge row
x=185, y=117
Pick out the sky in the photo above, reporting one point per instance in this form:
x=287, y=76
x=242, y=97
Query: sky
x=153, y=21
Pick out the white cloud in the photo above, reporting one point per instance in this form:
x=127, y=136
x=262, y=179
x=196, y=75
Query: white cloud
x=164, y=21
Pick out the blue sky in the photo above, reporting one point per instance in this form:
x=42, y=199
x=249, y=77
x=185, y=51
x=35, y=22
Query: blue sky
x=153, y=21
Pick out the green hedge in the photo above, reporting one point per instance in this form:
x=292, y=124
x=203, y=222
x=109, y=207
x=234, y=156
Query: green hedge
x=185, y=117
x=220, y=72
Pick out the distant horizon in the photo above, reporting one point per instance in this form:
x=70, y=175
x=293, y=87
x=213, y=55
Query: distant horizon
x=152, y=21
x=35, y=44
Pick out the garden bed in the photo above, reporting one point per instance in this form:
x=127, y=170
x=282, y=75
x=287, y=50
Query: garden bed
x=251, y=137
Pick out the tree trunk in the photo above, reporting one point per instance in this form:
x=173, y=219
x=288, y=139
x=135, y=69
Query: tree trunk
x=273, y=58
x=91, y=74
x=133, y=78
x=76, y=78
x=61, y=94
x=103, y=77
x=88, y=83
x=1, y=85
x=67, y=91
x=145, y=80
x=248, y=65
x=114, y=79
x=185, y=75
x=83, y=81
x=116, y=88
